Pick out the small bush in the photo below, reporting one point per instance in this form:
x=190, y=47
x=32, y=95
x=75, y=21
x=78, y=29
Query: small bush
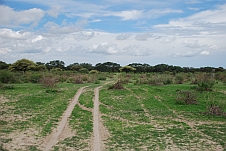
x=48, y=81
x=35, y=77
x=118, y=85
x=213, y=109
x=7, y=76
x=102, y=78
x=205, y=85
x=179, y=79
x=93, y=72
x=97, y=82
x=186, y=97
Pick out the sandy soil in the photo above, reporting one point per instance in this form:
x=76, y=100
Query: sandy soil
x=57, y=134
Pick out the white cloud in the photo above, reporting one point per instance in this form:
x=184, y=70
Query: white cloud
x=208, y=20
x=54, y=11
x=81, y=36
x=104, y=48
x=64, y=28
x=38, y=38
x=123, y=37
x=204, y=53
x=193, y=8
x=129, y=15
x=9, y=33
x=9, y=17
x=5, y=50
x=143, y=37
x=136, y=50
x=192, y=44
x=185, y=54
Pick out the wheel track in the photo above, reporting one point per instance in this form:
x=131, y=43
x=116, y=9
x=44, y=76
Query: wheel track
x=56, y=134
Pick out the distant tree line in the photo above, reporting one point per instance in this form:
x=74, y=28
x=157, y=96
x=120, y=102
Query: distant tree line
x=58, y=65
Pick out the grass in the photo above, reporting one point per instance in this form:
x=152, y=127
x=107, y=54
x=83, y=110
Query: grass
x=139, y=117
x=30, y=106
x=86, y=98
x=144, y=117
x=81, y=122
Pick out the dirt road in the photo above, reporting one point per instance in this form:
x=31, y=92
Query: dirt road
x=55, y=136
x=96, y=132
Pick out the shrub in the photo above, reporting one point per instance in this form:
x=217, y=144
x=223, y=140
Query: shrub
x=93, y=72
x=186, y=97
x=97, y=82
x=35, y=77
x=205, y=85
x=179, y=79
x=77, y=79
x=213, y=109
x=48, y=81
x=7, y=76
x=118, y=85
x=102, y=78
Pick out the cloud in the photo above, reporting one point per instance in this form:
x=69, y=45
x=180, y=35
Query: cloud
x=143, y=37
x=9, y=33
x=192, y=8
x=136, y=50
x=104, y=48
x=192, y=44
x=208, y=20
x=205, y=53
x=54, y=11
x=5, y=50
x=38, y=38
x=123, y=37
x=81, y=36
x=128, y=15
x=9, y=17
x=185, y=54
x=64, y=28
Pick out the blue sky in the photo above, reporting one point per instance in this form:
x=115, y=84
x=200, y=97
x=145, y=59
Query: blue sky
x=187, y=33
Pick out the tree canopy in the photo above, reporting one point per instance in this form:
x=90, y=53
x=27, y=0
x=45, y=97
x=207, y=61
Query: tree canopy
x=22, y=65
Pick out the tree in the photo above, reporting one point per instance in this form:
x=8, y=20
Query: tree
x=3, y=65
x=76, y=67
x=22, y=65
x=84, y=70
x=55, y=64
x=107, y=67
x=127, y=69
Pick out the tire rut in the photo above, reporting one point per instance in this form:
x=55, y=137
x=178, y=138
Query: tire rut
x=56, y=134
x=100, y=133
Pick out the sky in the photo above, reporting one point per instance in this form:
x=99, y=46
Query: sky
x=187, y=33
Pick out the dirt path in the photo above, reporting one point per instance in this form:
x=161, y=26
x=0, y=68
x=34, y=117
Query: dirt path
x=56, y=134
x=100, y=133
x=96, y=131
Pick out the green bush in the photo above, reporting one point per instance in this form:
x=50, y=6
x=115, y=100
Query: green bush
x=7, y=76
x=102, y=78
x=35, y=77
x=186, y=97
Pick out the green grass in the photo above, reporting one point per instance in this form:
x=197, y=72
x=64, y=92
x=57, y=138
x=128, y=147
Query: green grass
x=86, y=98
x=33, y=107
x=139, y=117
x=146, y=117
x=81, y=122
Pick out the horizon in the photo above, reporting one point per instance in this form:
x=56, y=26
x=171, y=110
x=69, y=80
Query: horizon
x=187, y=33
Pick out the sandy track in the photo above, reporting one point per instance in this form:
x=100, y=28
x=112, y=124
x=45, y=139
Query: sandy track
x=54, y=137
x=96, y=132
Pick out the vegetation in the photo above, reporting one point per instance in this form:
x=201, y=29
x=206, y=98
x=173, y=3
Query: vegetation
x=159, y=107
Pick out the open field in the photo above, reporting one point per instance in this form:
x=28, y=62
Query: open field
x=138, y=117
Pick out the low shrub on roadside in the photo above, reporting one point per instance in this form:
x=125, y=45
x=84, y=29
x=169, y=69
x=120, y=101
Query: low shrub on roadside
x=186, y=97
x=7, y=76
x=48, y=81
x=118, y=85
